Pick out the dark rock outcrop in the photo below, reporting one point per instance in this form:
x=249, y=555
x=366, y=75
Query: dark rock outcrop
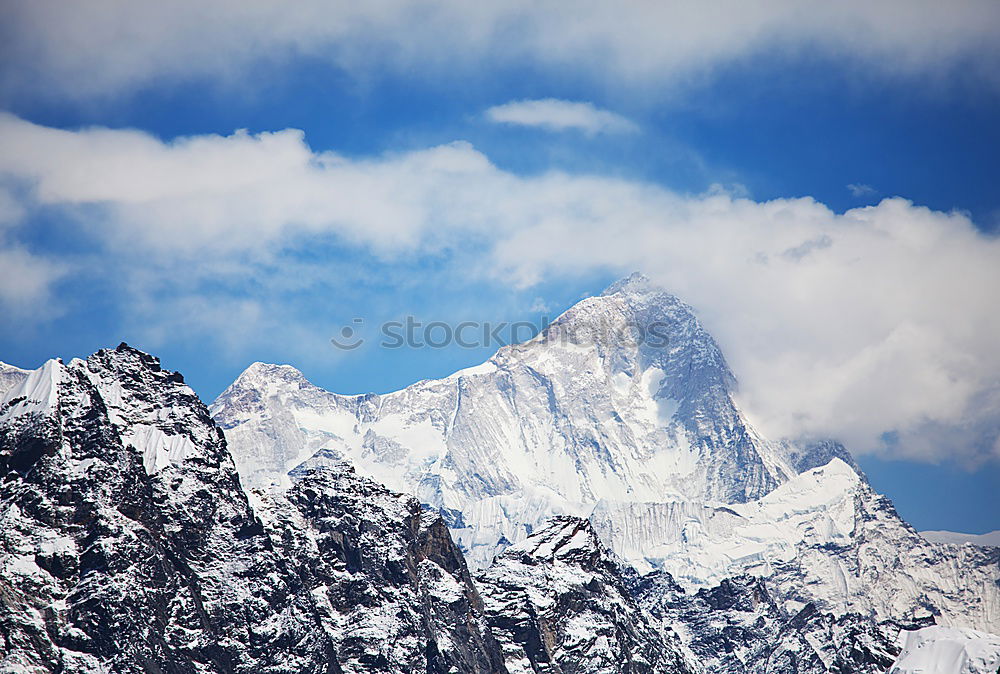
x=128, y=545
x=559, y=602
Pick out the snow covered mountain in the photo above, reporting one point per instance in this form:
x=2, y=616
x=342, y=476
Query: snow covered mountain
x=127, y=544
x=823, y=537
x=560, y=601
x=640, y=436
x=586, y=413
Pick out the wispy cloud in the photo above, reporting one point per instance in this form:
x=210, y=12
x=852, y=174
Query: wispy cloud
x=557, y=115
x=539, y=305
x=26, y=278
x=26, y=283
x=846, y=325
x=861, y=190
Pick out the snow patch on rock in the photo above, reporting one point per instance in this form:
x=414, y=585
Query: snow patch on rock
x=37, y=393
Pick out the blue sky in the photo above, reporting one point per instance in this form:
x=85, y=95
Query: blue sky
x=132, y=210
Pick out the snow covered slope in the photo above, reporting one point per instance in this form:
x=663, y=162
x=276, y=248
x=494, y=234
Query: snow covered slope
x=582, y=414
x=944, y=650
x=823, y=537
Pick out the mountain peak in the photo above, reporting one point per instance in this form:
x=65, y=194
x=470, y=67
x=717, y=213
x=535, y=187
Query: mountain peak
x=259, y=371
x=626, y=398
x=634, y=283
x=266, y=377
x=563, y=537
x=124, y=358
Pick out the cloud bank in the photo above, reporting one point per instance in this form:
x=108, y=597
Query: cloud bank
x=877, y=326
x=74, y=49
x=555, y=115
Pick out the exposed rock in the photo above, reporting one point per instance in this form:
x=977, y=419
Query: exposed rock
x=558, y=602
x=128, y=545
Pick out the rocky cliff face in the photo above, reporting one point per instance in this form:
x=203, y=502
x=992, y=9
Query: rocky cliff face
x=738, y=626
x=391, y=589
x=560, y=602
x=112, y=561
x=128, y=545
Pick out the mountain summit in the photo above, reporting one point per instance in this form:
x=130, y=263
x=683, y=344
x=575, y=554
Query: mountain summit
x=624, y=398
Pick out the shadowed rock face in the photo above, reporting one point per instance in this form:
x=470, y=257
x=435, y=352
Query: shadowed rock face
x=391, y=587
x=737, y=626
x=128, y=545
x=559, y=602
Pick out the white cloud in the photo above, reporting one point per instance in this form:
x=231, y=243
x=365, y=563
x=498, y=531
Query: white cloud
x=882, y=321
x=232, y=193
x=25, y=278
x=555, y=115
x=59, y=48
x=539, y=305
x=861, y=190
x=878, y=320
x=25, y=284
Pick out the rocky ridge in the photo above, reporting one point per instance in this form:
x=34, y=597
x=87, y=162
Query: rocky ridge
x=127, y=544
